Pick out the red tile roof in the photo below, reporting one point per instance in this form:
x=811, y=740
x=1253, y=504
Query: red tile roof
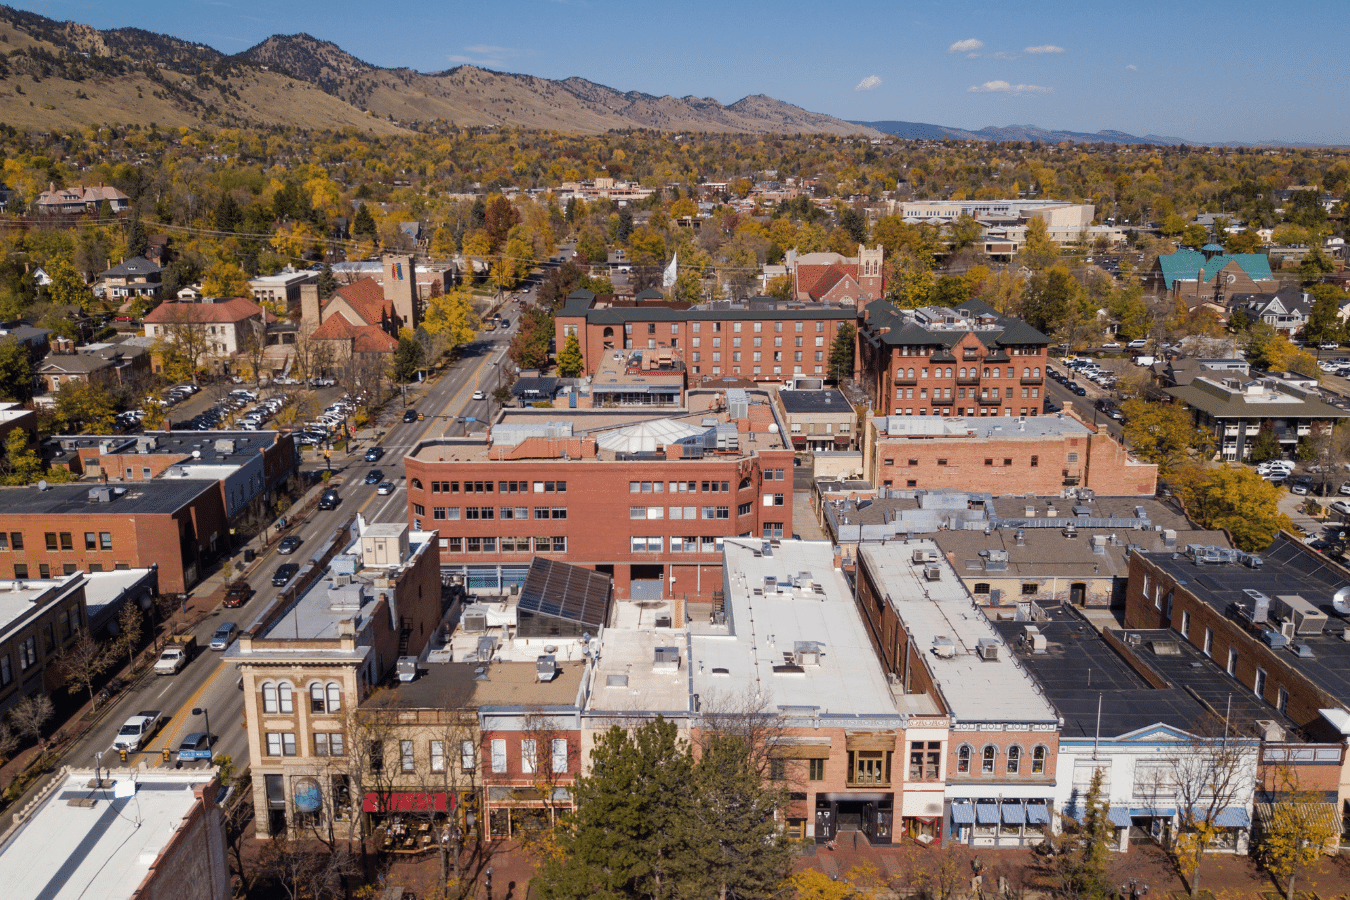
x=236, y=309
x=366, y=298
x=814, y=281
x=364, y=338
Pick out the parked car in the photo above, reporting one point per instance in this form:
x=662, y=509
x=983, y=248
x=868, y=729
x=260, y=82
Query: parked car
x=1137, y=344
x=284, y=573
x=224, y=635
x=289, y=544
x=1341, y=507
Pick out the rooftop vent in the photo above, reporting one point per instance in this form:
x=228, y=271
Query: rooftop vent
x=806, y=653
x=1302, y=651
x=618, y=681
x=101, y=494
x=1164, y=648
x=546, y=668
x=988, y=648
x=667, y=659
x=1340, y=601
x=480, y=673
x=1274, y=640
x=475, y=623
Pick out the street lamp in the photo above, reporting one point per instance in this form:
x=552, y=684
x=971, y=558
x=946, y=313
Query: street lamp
x=210, y=745
x=1133, y=889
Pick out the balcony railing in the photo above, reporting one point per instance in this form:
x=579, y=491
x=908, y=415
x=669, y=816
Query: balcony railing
x=1036, y=380
x=993, y=401
x=968, y=379
x=906, y=379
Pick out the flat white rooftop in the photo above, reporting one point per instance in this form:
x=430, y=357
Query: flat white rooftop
x=949, y=628
x=627, y=677
x=65, y=852
x=18, y=598
x=793, y=632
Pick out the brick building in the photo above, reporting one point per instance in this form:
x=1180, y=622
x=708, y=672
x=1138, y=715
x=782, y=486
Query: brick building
x=315, y=654
x=539, y=481
x=111, y=365
x=759, y=340
x=1210, y=274
x=38, y=621
x=935, y=641
x=829, y=277
x=818, y=420
x=155, y=836
x=1032, y=455
x=179, y=526
x=1274, y=627
x=971, y=361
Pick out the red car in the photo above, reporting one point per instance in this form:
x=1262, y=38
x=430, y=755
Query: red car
x=238, y=594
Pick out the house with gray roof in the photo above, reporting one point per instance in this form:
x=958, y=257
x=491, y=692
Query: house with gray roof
x=1235, y=410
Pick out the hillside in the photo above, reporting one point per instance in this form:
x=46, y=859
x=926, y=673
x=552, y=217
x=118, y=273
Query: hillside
x=58, y=74
x=920, y=131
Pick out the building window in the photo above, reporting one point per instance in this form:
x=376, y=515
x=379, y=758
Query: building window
x=498, y=755
x=963, y=760
x=269, y=693
x=987, y=757
x=1185, y=623
x=466, y=757
x=1029, y=588
x=1209, y=641
x=1259, y=683
x=869, y=767
x=815, y=770
x=1282, y=700
x=1035, y=461
x=982, y=587
x=777, y=769
x=1232, y=660
x=285, y=698
x=1038, y=755
x=1014, y=759
x=27, y=653
x=407, y=761
x=51, y=541
x=316, y=698
x=559, y=755
x=281, y=743
x=925, y=760
x=6, y=670
x=90, y=540
x=529, y=761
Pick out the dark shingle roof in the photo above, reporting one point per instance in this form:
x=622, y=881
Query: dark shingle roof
x=814, y=402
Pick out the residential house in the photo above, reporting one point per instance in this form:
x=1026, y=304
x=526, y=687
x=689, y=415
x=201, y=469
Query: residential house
x=108, y=364
x=135, y=277
x=76, y=200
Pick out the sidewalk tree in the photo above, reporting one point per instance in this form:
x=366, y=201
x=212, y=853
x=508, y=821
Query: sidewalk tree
x=1209, y=773
x=30, y=715
x=129, y=626
x=1236, y=499
x=83, y=662
x=1079, y=864
x=862, y=882
x=1297, y=832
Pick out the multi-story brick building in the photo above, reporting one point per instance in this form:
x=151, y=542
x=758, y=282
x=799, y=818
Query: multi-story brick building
x=818, y=420
x=1029, y=455
x=936, y=642
x=643, y=496
x=178, y=526
x=971, y=361
x=759, y=340
x=315, y=654
x=38, y=621
x=1274, y=625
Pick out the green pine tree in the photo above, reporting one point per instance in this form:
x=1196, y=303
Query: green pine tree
x=841, y=353
x=363, y=224
x=570, y=362
x=327, y=282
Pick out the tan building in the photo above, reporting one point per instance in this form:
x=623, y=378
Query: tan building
x=817, y=420
x=368, y=598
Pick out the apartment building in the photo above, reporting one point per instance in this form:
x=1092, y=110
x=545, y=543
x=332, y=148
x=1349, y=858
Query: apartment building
x=971, y=361
x=929, y=634
x=821, y=420
x=367, y=596
x=220, y=327
x=1030, y=454
x=1234, y=410
x=668, y=486
x=759, y=340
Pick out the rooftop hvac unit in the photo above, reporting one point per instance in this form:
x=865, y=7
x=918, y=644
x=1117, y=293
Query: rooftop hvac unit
x=1274, y=639
x=1302, y=651
x=486, y=647
x=806, y=653
x=1035, y=641
x=987, y=648
x=663, y=621
x=943, y=647
x=924, y=556
x=1260, y=606
x=1306, y=618
x=932, y=573
x=667, y=659
x=738, y=405
x=546, y=668
x=475, y=623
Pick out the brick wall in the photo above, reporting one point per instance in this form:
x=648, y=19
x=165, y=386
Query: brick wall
x=1032, y=465
x=912, y=384
x=193, y=863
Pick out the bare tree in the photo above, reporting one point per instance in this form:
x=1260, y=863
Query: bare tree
x=1209, y=773
x=750, y=716
x=252, y=339
x=129, y=622
x=9, y=741
x=83, y=662
x=30, y=714
x=183, y=342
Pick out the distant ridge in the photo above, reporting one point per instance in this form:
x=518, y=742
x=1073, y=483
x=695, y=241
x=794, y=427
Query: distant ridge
x=920, y=131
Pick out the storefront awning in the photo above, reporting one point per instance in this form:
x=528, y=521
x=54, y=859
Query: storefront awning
x=1119, y=816
x=1228, y=817
x=1324, y=814
x=1155, y=812
x=986, y=813
x=405, y=802
x=1038, y=814
x=1013, y=814
x=963, y=814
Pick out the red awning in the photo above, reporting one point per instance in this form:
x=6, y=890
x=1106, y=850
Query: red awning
x=405, y=802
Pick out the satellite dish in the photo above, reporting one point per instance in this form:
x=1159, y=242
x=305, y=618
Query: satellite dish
x=1340, y=601
x=42, y=485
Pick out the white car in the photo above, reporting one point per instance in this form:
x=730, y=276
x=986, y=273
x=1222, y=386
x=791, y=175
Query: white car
x=479, y=395
x=1341, y=507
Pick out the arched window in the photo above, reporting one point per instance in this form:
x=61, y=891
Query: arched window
x=987, y=759
x=608, y=332
x=285, y=698
x=1026, y=371
x=911, y=373
x=963, y=371
x=1014, y=759
x=417, y=483
x=1037, y=372
x=334, y=696
x=269, y=692
x=1038, y=760
x=316, y=697
x=963, y=759
x=986, y=371
x=949, y=371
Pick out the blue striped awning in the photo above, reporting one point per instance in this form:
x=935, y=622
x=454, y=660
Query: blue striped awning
x=1120, y=817
x=1228, y=817
x=963, y=814
x=1013, y=814
x=1038, y=814
x=986, y=813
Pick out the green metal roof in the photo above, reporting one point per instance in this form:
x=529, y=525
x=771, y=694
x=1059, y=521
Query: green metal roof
x=1188, y=264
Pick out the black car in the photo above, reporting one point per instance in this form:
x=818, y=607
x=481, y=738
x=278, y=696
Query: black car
x=284, y=573
x=410, y=415
x=1078, y=389
x=374, y=477
x=329, y=500
x=374, y=454
x=289, y=544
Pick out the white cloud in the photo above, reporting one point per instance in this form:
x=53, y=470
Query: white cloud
x=1045, y=48
x=1132, y=68
x=486, y=55
x=966, y=46
x=868, y=83
x=1003, y=87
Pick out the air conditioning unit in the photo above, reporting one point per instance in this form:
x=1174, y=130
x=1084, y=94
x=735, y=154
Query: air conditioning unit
x=987, y=648
x=932, y=573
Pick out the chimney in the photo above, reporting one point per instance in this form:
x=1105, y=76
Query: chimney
x=309, y=305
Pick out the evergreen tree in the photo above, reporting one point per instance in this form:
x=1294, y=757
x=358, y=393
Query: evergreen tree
x=841, y=353
x=854, y=225
x=137, y=242
x=1079, y=867
x=625, y=226
x=327, y=282
x=228, y=215
x=363, y=224
x=408, y=359
x=570, y=362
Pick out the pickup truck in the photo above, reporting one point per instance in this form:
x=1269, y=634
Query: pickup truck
x=138, y=729
x=178, y=652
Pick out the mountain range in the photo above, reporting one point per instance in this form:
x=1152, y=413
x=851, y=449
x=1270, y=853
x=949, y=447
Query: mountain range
x=920, y=131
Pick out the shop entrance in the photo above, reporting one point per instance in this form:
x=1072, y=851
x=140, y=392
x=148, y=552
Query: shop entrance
x=871, y=814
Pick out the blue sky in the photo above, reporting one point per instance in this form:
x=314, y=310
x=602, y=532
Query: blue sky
x=1237, y=71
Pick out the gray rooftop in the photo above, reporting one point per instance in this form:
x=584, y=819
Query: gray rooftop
x=983, y=428
x=814, y=402
x=142, y=497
